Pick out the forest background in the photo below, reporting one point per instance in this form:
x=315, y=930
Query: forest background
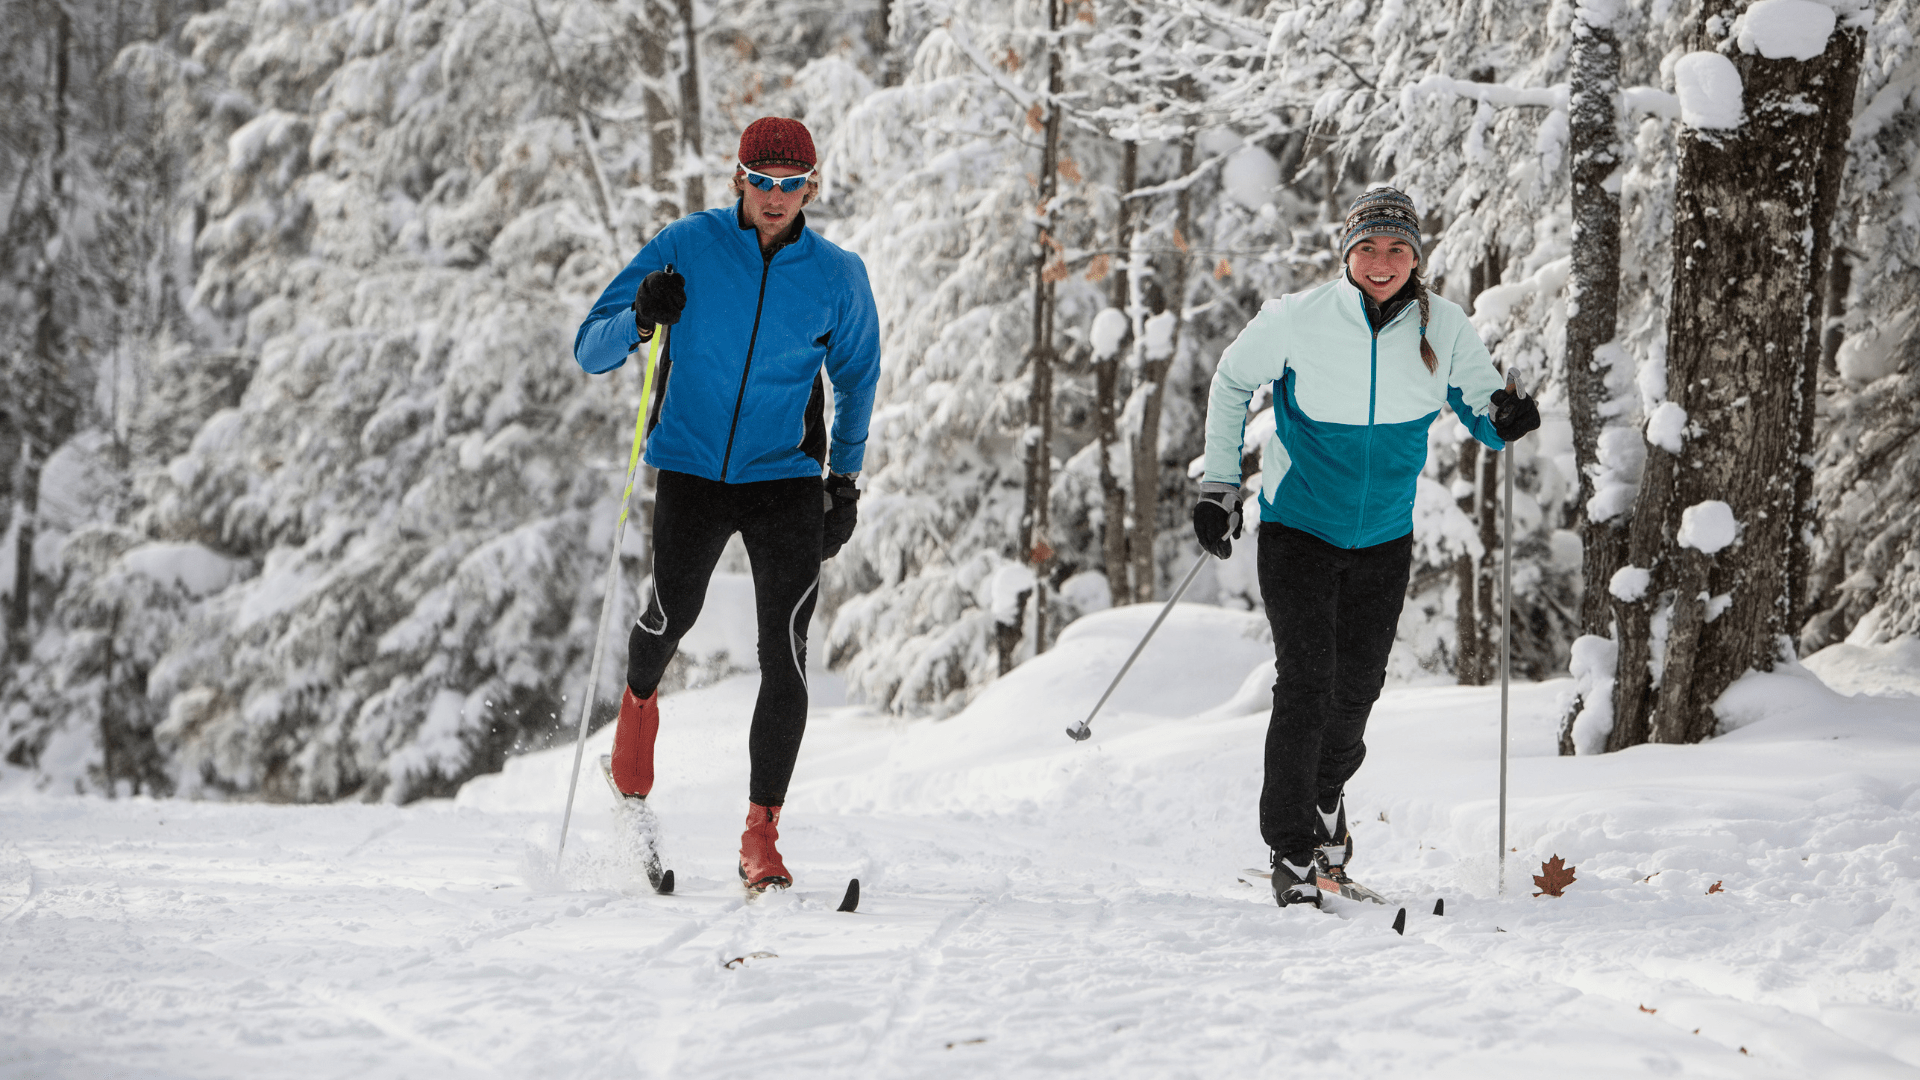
x=305, y=499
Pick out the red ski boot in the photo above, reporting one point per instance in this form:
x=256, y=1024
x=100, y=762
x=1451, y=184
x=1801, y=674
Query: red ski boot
x=760, y=865
x=633, y=743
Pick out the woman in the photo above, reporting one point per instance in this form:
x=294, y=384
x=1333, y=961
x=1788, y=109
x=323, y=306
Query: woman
x=1360, y=368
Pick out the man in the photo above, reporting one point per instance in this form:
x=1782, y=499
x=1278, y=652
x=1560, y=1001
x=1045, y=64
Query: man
x=761, y=308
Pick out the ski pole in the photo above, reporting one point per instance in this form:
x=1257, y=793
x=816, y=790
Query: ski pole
x=613, y=582
x=1506, y=641
x=1084, y=732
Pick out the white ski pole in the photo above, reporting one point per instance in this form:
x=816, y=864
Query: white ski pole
x=1506, y=641
x=1084, y=732
x=613, y=582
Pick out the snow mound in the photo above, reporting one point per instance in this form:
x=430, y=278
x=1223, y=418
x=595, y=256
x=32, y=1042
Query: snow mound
x=1709, y=89
x=1777, y=29
x=1708, y=527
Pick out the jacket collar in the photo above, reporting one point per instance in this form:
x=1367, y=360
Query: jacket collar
x=1378, y=313
x=787, y=239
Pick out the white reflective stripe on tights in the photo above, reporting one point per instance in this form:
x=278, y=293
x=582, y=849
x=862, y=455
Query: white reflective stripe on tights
x=653, y=604
x=793, y=638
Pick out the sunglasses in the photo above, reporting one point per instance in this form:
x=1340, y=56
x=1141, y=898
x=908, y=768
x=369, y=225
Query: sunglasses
x=788, y=184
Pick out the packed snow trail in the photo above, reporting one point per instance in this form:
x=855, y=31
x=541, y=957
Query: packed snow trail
x=1031, y=907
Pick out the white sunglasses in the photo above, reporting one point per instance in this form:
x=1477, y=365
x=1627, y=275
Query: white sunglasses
x=788, y=184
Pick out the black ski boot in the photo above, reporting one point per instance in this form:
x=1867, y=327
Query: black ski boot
x=1294, y=878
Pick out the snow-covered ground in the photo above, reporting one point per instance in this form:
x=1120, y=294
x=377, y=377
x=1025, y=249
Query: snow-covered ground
x=1031, y=906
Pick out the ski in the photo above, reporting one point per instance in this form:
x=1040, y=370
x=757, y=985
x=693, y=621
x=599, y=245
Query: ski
x=1349, y=888
x=849, y=901
x=641, y=828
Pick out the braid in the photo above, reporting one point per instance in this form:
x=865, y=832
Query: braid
x=1426, y=350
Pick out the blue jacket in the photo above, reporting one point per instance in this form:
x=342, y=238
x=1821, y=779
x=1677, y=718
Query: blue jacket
x=1351, y=409
x=740, y=396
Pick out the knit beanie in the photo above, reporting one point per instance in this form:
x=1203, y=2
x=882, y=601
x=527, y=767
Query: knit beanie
x=1382, y=211
x=776, y=140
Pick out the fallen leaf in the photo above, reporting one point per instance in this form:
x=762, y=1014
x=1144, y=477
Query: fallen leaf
x=1553, y=878
x=1714, y=888
x=1648, y=1011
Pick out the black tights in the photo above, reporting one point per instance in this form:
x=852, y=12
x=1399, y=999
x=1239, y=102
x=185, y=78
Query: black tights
x=1334, y=612
x=780, y=523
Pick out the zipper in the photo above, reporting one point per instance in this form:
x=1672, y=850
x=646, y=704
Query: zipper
x=1373, y=397
x=766, y=267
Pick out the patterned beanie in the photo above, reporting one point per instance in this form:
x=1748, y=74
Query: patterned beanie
x=776, y=140
x=1382, y=211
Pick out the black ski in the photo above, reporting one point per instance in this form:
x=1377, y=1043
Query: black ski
x=641, y=828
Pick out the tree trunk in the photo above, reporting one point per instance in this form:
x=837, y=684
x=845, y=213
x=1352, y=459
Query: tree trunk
x=690, y=112
x=1593, y=295
x=1048, y=268
x=1153, y=373
x=1466, y=613
x=41, y=397
x=1107, y=395
x=658, y=109
x=1749, y=257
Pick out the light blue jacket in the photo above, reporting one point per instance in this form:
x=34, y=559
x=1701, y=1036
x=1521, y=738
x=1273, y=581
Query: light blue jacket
x=741, y=398
x=1351, y=409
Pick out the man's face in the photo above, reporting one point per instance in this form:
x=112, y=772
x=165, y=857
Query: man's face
x=771, y=212
x=1381, y=265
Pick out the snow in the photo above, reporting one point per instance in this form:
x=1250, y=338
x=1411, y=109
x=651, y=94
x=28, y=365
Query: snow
x=1159, y=335
x=1251, y=176
x=1708, y=527
x=1667, y=427
x=1629, y=583
x=1593, y=667
x=1709, y=89
x=1778, y=29
x=1030, y=907
x=1109, y=329
x=1004, y=590
x=193, y=567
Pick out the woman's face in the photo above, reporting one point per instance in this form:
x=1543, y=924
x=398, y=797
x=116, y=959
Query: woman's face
x=1381, y=265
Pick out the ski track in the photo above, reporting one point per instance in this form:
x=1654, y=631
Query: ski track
x=1030, y=908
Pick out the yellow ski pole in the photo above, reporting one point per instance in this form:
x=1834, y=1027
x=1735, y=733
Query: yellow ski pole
x=613, y=581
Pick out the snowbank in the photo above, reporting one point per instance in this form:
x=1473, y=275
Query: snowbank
x=1032, y=907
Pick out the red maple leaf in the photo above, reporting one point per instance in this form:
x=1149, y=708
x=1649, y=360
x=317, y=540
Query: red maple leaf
x=1554, y=877
x=1714, y=888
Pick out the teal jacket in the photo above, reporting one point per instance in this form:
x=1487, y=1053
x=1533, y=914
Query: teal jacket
x=1351, y=409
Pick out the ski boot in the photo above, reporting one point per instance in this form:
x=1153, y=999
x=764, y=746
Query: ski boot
x=1335, y=848
x=760, y=865
x=633, y=734
x=1295, y=878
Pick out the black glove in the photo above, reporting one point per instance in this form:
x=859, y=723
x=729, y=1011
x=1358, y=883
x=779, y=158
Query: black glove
x=1216, y=519
x=661, y=298
x=1513, y=415
x=843, y=504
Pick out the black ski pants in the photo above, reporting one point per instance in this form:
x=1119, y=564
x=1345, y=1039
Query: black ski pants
x=1334, y=611
x=780, y=522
